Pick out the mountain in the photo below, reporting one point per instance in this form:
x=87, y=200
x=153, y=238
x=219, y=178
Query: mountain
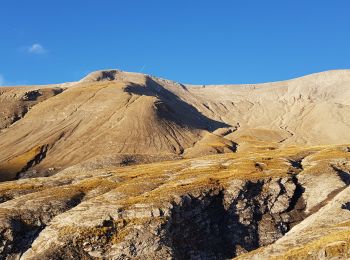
x=111, y=114
x=124, y=165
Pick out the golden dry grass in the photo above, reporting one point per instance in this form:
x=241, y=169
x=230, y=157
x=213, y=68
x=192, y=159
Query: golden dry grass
x=9, y=169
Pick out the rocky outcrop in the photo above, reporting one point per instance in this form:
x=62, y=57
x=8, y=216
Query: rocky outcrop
x=218, y=223
x=217, y=208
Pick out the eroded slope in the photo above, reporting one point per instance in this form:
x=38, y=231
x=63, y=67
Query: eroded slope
x=101, y=118
x=16, y=102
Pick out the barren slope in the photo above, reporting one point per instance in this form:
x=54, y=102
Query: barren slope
x=113, y=114
x=15, y=102
x=309, y=110
x=132, y=115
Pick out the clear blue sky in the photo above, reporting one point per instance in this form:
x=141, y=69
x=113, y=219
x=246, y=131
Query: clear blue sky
x=191, y=41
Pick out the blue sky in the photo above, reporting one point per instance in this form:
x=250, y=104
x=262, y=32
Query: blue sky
x=191, y=41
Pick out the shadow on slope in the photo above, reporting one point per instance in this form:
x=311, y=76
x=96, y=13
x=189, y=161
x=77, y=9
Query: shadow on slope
x=172, y=108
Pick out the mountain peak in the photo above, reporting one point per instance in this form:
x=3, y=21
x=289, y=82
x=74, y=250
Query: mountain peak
x=113, y=74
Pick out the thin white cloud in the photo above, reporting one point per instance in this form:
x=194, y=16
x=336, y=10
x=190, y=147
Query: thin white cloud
x=2, y=80
x=36, y=48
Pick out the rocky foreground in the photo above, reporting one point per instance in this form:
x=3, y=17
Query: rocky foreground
x=215, y=207
x=129, y=166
